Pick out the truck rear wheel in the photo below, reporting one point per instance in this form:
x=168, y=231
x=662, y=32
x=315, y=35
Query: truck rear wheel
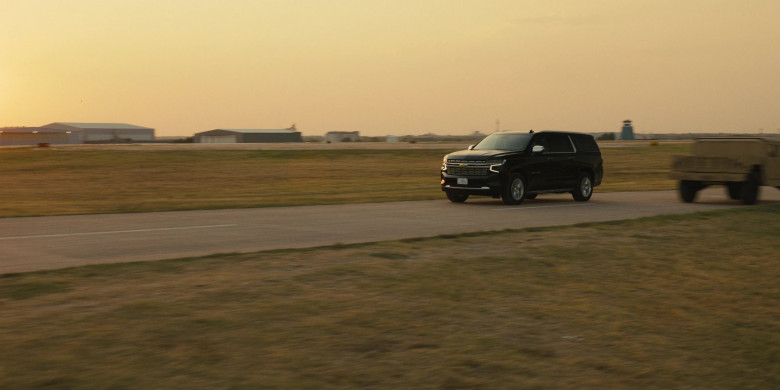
x=734, y=190
x=749, y=193
x=688, y=190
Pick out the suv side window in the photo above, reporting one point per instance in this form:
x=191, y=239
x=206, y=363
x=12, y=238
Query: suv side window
x=560, y=143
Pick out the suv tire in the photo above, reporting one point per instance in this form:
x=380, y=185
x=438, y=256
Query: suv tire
x=457, y=198
x=584, y=189
x=514, y=190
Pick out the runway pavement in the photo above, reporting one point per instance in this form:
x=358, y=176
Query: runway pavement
x=44, y=243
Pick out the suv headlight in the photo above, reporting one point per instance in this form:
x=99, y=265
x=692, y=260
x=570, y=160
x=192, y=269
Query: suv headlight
x=495, y=165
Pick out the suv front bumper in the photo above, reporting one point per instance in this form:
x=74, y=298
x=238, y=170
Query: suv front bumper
x=475, y=185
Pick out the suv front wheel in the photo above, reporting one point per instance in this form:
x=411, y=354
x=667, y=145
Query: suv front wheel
x=514, y=191
x=584, y=188
x=457, y=198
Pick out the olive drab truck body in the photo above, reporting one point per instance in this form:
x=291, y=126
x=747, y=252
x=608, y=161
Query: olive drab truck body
x=741, y=164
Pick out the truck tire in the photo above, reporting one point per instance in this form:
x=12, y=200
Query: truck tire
x=514, y=191
x=749, y=193
x=734, y=189
x=457, y=198
x=688, y=190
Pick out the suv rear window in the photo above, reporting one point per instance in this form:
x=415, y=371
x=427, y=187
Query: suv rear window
x=586, y=143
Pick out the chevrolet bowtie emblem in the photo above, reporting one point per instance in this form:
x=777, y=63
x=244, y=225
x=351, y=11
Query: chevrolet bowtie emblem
x=462, y=165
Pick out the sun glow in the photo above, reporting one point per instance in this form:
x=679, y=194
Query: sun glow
x=400, y=67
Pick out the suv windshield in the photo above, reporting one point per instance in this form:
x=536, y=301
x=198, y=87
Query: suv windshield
x=499, y=141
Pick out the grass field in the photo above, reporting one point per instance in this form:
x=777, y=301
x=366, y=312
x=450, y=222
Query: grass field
x=683, y=302
x=51, y=181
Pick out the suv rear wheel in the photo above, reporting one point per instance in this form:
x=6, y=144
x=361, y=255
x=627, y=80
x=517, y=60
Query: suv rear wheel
x=584, y=188
x=514, y=191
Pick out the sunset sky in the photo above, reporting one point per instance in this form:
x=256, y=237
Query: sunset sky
x=393, y=67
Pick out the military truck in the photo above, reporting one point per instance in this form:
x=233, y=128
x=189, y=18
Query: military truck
x=741, y=164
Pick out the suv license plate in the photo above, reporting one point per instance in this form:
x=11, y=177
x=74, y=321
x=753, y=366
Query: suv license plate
x=463, y=181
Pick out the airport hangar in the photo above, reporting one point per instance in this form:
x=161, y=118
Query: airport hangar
x=17, y=136
x=75, y=133
x=232, y=136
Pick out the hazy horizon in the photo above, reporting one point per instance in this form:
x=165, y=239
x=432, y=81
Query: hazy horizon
x=393, y=68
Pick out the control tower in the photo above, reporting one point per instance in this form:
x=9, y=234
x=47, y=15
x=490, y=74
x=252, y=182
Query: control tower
x=627, y=133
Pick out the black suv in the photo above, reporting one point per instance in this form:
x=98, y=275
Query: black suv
x=517, y=165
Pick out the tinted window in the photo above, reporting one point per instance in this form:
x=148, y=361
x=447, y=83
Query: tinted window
x=499, y=141
x=560, y=143
x=586, y=143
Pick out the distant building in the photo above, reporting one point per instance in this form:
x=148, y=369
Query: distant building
x=37, y=135
x=105, y=132
x=233, y=136
x=627, y=132
x=313, y=138
x=342, y=136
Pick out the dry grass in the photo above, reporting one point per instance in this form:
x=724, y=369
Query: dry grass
x=670, y=302
x=643, y=168
x=75, y=181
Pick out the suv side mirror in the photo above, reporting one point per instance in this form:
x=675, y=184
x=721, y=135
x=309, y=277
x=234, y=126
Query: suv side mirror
x=471, y=147
x=537, y=149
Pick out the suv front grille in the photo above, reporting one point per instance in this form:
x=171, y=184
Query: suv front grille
x=467, y=170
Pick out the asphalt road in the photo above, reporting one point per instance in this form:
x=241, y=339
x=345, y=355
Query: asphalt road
x=43, y=243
